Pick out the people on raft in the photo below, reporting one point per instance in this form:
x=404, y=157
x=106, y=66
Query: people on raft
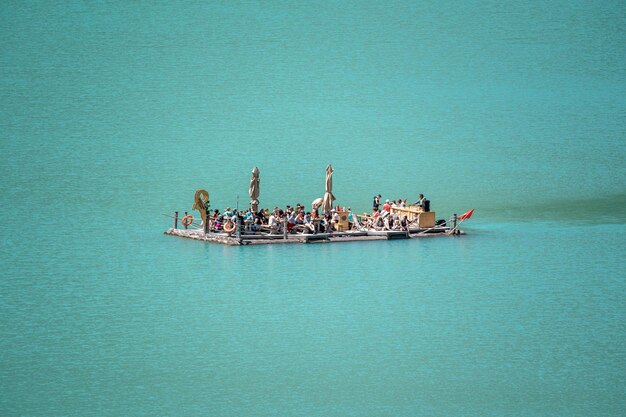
x=385, y=220
x=308, y=223
x=291, y=219
x=274, y=223
x=421, y=201
x=297, y=220
x=398, y=203
x=335, y=219
x=404, y=223
x=219, y=221
x=257, y=224
x=376, y=203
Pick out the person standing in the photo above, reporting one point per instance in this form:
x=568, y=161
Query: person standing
x=350, y=218
x=376, y=204
x=420, y=201
x=387, y=206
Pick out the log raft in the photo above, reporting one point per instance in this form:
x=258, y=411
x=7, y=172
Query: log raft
x=273, y=239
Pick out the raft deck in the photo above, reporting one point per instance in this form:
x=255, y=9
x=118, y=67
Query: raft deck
x=273, y=239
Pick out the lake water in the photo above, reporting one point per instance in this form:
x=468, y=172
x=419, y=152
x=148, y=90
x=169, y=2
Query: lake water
x=113, y=114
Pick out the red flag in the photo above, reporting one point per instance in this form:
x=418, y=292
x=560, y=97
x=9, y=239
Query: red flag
x=466, y=215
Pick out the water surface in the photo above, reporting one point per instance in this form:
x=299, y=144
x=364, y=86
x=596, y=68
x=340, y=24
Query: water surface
x=114, y=113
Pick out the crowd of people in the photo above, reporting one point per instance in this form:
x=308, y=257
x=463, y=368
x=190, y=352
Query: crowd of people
x=388, y=219
x=297, y=219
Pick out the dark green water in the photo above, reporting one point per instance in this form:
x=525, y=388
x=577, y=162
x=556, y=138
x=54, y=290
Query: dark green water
x=114, y=113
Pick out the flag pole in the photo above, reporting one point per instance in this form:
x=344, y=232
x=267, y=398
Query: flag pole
x=456, y=227
x=463, y=217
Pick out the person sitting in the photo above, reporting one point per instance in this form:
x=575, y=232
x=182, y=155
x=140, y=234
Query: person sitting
x=308, y=223
x=404, y=223
x=273, y=223
x=211, y=218
x=328, y=221
x=300, y=217
x=291, y=221
x=256, y=226
x=261, y=216
x=219, y=221
x=387, y=223
x=325, y=225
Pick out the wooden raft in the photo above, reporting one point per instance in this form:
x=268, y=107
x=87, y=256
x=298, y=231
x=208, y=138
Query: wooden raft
x=268, y=239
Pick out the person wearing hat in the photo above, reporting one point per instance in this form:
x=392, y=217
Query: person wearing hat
x=387, y=206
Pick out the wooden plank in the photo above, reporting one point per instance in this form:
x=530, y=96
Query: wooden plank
x=255, y=237
x=313, y=237
x=389, y=234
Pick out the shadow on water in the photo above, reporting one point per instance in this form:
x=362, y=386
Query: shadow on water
x=608, y=209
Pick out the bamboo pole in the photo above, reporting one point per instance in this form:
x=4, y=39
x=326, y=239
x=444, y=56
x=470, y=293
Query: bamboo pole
x=453, y=231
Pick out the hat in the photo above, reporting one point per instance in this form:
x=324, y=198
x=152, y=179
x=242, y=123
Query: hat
x=386, y=201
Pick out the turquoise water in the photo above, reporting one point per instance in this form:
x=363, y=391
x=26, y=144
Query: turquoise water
x=114, y=113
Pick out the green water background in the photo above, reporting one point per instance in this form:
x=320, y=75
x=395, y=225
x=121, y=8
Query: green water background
x=114, y=113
